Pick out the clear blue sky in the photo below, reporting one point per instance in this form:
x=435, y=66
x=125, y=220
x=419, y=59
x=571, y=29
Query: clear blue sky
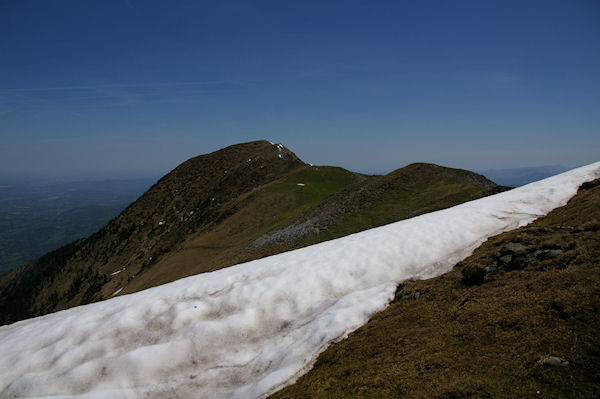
x=127, y=88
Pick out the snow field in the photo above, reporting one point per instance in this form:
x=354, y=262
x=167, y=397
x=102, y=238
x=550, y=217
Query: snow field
x=250, y=329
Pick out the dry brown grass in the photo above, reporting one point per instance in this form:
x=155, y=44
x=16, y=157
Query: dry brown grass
x=488, y=340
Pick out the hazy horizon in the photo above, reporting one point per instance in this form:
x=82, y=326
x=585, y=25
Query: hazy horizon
x=126, y=88
x=41, y=178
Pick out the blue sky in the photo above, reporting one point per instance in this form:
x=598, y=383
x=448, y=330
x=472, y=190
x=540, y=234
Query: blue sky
x=133, y=88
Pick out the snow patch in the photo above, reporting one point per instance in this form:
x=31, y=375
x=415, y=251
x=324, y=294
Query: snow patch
x=247, y=330
x=301, y=184
x=117, y=291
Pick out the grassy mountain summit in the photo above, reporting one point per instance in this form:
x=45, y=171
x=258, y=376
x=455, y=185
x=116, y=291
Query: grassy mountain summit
x=240, y=203
x=406, y=192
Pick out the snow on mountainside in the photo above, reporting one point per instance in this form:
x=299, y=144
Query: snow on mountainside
x=247, y=330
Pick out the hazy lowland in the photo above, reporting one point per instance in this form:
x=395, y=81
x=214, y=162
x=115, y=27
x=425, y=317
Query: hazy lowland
x=37, y=217
x=519, y=176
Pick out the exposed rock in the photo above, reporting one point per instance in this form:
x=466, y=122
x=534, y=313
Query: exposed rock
x=288, y=233
x=515, y=248
x=473, y=275
x=508, y=262
x=491, y=267
x=589, y=184
x=504, y=260
x=543, y=254
x=516, y=256
x=530, y=260
x=534, y=230
x=555, y=361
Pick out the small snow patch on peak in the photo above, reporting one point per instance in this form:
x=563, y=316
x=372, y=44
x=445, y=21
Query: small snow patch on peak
x=301, y=184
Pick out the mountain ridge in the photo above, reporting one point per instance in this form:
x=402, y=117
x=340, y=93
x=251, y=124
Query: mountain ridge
x=244, y=331
x=209, y=212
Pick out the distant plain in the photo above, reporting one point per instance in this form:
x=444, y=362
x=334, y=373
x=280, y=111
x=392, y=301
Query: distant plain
x=37, y=217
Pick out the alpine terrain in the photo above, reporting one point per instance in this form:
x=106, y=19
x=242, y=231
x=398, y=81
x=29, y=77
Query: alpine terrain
x=243, y=202
x=518, y=319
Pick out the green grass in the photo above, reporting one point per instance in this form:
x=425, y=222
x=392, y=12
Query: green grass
x=400, y=202
x=319, y=182
x=267, y=208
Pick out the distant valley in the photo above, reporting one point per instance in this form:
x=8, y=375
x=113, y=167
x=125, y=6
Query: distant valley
x=37, y=217
x=515, y=177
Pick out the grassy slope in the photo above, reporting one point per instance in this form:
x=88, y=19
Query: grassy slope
x=488, y=340
x=401, y=194
x=268, y=207
x=150, y=228
x=407, y=192
x=351, y=203
x=207, y=213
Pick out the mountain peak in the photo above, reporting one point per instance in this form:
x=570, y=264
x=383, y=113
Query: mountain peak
x=236, y=204
x=284, y=153
x=419, y=171
x=258, y=149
